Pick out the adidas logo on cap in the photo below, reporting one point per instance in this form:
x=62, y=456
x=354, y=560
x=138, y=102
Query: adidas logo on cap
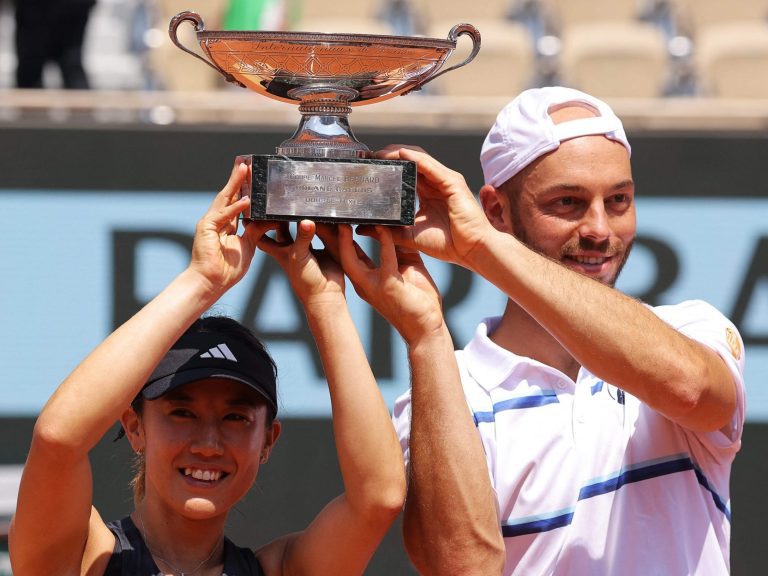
x=219, y=351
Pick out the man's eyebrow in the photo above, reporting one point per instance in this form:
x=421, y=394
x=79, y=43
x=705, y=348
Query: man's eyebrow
x=629, y=183
x=564, y=187
x=574, y=188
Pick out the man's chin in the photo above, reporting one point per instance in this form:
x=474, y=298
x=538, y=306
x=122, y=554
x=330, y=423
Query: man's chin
x=604, y=273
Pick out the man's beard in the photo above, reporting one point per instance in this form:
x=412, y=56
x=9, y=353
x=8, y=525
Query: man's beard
x=576, y=245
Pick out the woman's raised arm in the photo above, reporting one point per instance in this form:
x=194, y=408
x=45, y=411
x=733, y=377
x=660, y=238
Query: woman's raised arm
x=345, y=534
x=55, y=530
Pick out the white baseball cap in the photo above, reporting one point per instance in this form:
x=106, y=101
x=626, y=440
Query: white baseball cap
x=524, y=130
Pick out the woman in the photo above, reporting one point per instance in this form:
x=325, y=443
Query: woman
x=203, y=431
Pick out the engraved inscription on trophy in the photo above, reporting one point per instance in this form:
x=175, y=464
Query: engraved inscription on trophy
x=323, y=171
x=318, y=189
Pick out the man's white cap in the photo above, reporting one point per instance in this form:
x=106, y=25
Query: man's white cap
x=524, y=130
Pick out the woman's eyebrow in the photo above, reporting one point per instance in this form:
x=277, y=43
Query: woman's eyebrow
x=177, y=398
x=246, y=401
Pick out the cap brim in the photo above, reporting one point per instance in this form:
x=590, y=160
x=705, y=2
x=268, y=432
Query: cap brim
x=165, y=384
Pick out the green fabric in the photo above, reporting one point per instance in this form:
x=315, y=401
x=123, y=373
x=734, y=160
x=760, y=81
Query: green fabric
x=244, y=14
x=250, y=14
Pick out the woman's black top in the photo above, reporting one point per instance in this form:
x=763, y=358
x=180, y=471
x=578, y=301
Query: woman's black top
x=131, y=557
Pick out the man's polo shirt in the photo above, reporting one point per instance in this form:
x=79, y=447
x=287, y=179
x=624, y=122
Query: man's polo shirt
x=591, y=481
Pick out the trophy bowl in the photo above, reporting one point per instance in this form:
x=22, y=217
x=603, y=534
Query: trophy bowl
x=323, y=172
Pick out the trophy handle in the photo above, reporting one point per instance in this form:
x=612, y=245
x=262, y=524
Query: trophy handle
x=176, y=21
x=453, y=35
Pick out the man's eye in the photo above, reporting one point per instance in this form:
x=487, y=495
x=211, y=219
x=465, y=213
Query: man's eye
x=621, y=201
x=567, y=201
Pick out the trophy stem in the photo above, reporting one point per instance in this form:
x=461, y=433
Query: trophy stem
x=324, y=130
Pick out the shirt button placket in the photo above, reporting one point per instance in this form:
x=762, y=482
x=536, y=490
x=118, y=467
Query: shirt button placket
x=579, y=405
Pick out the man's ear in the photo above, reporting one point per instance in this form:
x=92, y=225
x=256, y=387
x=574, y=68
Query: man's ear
x=496, y=207
x=134, y=431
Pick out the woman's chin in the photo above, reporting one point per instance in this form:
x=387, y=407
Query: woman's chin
x=201, y=509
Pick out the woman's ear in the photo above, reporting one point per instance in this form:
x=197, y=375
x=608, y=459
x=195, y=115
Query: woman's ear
x=134, y=431
x=271, y=435
x=496, y=207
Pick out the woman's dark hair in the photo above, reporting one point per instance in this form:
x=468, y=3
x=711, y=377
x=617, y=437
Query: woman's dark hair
x=221, y=325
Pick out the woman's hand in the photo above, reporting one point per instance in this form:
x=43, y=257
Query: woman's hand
x=313, y=273
x=400, y=288
x=219, y=255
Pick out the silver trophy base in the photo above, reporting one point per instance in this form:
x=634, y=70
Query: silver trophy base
x=336, y=190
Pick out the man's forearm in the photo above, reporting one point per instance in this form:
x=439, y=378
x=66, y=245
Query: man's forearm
x=614, y=336
x=451, y=524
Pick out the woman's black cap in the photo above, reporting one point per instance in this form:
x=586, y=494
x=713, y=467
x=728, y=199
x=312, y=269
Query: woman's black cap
x=212, y=354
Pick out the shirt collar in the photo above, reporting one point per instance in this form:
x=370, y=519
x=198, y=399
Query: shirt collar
x=490, y=365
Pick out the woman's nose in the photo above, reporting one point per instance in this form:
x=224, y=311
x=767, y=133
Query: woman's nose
x=208, y=441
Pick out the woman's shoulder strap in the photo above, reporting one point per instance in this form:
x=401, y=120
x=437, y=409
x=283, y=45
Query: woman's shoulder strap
x=240, y=561
x=130, y=556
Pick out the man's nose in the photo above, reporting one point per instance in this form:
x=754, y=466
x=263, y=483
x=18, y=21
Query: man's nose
x=595, y=224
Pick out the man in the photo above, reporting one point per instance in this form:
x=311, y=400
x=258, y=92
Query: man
x=608, y=426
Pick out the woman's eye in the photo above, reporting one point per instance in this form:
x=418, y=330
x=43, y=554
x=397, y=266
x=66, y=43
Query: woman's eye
x=237, y=417
x=182, y=413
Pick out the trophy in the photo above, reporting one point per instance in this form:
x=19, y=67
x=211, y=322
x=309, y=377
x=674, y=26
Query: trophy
x=323, y=172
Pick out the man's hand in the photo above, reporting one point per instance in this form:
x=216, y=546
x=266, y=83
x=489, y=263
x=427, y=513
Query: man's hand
x=449, y=223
